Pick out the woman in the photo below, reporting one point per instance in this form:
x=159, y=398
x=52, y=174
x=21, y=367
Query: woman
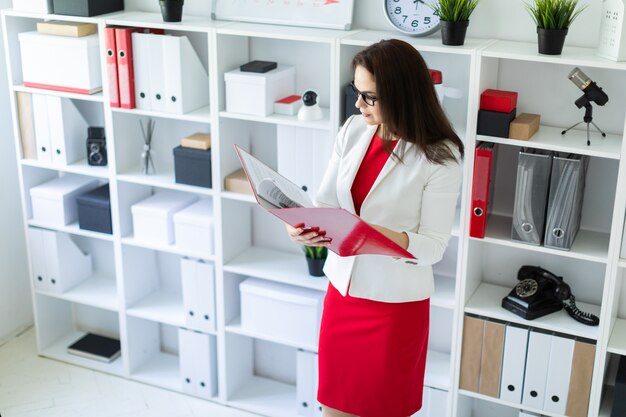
x=397, y=166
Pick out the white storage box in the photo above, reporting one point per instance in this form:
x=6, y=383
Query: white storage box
x=54, y=202
x=153, y=217
x=62, y=63
x=282, y=311
x=255, y=93
x=33, y=6
x=193, y=227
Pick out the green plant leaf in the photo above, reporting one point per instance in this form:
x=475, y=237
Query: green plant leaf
x=554, y=14
x=315, y=252
x=454, y=10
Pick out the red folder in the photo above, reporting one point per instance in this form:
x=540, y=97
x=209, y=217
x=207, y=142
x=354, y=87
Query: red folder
x=125, y=73
x=111, y=60
x=348, y=233
x=480, y=189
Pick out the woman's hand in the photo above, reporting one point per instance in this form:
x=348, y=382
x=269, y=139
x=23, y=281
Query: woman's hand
x=309, y=236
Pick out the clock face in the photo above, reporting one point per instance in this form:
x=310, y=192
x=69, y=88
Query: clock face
x=411, y=17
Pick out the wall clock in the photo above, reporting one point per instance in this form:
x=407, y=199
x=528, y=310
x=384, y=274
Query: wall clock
x=411, y=17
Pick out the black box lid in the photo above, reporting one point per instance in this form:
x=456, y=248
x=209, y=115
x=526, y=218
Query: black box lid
x=98, y=197
x=181, y=152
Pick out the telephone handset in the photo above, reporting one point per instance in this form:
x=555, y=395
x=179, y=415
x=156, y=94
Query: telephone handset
x=540, y=292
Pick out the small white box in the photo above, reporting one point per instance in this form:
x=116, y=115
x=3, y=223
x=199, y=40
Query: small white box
x=255, y=93
x=54, y=202
x=153, y=217
x=289, y=105
x=33, y=6
x=62, y=63
x=282, y=311
x=193, y=227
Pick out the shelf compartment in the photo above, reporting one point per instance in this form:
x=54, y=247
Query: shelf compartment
x=162, y=370
x=574, y=141
x=437, y=370
x=617, y=341
x=163, y=179
x=96, y=97
x=274, y=265
x=162, y=306
x=201, y=115
x=96, y=291
x=281, y=119
x=235, y=327
x=486, y=301
x=266, y=397
x=80, y=167
x=173, y=249
x=72, y=229
x=229, y=195
x=588, y=245
x=515, y=407
x=444, y=295
x=607, y=402
x=155, y=20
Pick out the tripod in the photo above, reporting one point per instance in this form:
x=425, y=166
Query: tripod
x=588, y=118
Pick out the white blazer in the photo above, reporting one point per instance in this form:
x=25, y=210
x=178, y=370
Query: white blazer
x=413, y=196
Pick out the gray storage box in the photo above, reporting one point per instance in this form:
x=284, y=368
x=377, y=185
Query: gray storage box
x=192, y=166
x=94, y=210
x=87, y=8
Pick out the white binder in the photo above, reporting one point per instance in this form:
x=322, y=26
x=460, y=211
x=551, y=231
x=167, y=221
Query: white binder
x=559, y=370
x=141, y=70
x=536, y=369
x=42, y=131
x=189, y=283
x=183, y=94
x=155, y=69
x=68, y=131
x=206, y=365
x=205, y=296
x=187, y=361
x=38, y=259
x=513, y=363
x=306, y=383
x=66, y=264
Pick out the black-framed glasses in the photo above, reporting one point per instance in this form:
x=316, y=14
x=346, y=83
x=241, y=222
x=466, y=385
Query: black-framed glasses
x=369, y=100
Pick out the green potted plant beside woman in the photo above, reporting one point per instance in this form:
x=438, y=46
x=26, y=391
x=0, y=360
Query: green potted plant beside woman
x=172, y=10
x=315, y=258
x=454, y=17
x=553, y=19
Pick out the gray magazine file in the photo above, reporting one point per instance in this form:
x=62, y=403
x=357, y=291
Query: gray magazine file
x=534, y=167
x=567, y=187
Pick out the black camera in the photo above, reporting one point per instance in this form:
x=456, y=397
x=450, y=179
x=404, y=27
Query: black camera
x=309, y=98
x=96, y=146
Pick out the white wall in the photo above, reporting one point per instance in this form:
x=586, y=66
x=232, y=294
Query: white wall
x=15, y=301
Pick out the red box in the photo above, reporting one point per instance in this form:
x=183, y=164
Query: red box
x=498, y=100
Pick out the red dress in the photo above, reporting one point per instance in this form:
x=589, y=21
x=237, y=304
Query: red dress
x=372, y=354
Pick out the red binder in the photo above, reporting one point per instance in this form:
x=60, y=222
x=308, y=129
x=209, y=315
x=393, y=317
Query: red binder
x=125, y=73
x=480, y=189
x=111, y=61
x=348, y=233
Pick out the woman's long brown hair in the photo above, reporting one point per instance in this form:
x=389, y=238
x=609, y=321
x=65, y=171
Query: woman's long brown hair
x=407, y=99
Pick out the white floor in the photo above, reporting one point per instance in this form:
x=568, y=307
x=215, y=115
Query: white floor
x=31, y=386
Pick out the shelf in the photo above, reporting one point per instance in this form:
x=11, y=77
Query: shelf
x=229, y=195
x=607, y=402
x=155, y=20
x=162, y=370
x=80, y=167
x=281, y=119
x=574, y=141
x=173, y=249
x=486, y=301
x=96, y=97
x=426, y=44
x=588, y=245
x=160, y=306
x=621, y=263
x=571, y=55
x=275, y=266
x=617, y=341
x=517, y=406
x=95, y=291
x=292, y=33
x=201, y=115
x=437, y=370
x=266, y=397
x=58, y=351
x=72, y=229
x=164, y=179
x=444, y=292
x=235, y=327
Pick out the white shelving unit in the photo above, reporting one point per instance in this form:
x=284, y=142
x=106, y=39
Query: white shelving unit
x=135, y=293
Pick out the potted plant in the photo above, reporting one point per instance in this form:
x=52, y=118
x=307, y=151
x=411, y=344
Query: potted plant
x=553, y=19
x=172, y=10
x=315, y=258
x=454, y=17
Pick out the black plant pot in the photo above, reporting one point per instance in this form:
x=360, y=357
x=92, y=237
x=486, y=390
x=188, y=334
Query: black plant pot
x=171, y=10
x=550, y=41
x=316, y=266
x=453, y=33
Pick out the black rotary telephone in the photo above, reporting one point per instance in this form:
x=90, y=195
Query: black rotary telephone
x=540, y=292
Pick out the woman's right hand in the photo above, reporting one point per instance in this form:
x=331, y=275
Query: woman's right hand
x=309, y=236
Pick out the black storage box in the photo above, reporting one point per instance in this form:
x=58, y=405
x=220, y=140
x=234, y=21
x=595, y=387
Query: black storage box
x=192, y=166
x=619, y=405
x=350, y=100
x=494, y=123
x=94, y=210
x=86, y=8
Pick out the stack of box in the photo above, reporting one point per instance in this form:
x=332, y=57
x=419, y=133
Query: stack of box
x=192, y=160
x=497, y=111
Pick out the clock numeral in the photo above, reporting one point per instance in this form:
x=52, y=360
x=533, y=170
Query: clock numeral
x=398, y=10
x=435, y=13
x=427, y=20
x=414, y=23
x=404, y=18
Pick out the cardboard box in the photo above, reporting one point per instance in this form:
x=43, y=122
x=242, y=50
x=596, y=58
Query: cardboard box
x=280, y=310
x=237, y=182
x=255, y=93
x=197, y=140
x=193, y=227
x=60, y=28
x=153, y=218
x=524, y=126
x=54, y=202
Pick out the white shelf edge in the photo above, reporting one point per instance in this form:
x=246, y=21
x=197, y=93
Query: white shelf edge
x=72, y=229
x=80, y=167
x=96, y=291
x=235, y=327
x=230, y=195
x=201, y=115
x=279, y=119
x=95, y=97
x=173, y=249
x=160, y=306
x=163, y=180
x=508, y=403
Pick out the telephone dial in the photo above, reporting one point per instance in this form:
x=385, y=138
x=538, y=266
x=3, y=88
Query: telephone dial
x=540, y=292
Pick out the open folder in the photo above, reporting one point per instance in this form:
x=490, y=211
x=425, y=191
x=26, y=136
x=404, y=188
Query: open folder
x=348, y=233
